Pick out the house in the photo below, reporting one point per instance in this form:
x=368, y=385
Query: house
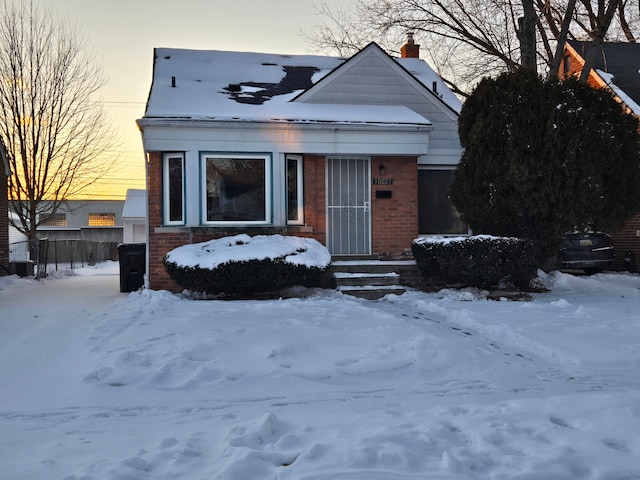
x=90, y=220
x=616, y=67
x=5, y=172
x=357, y=153
x=134, y=217
x=80, y=231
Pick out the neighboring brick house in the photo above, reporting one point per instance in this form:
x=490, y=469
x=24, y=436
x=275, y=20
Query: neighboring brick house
x=616, y=67
x=5, y=172
x=357, y=153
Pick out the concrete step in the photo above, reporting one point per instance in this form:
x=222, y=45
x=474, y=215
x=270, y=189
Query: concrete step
x=371, y=292
x=367, y=279
x=372, y=266
x=363, y=279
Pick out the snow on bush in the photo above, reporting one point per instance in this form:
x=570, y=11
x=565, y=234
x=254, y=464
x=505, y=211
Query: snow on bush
x=242, y=264
x=242, y=248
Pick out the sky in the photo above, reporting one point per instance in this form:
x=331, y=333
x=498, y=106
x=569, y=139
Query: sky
x=123, y=34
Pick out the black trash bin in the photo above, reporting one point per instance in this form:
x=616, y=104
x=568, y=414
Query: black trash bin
x=132, y=257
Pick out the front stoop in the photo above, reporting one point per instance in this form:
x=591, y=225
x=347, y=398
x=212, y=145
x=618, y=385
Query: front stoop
x=368, y=279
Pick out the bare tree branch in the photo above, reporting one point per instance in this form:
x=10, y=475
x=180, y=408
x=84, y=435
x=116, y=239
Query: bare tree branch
x=602, y=25
x=624, y=24
x=52, y=121
x=475, y=37
x=562, y=40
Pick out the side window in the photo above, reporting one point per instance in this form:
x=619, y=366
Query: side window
x=55, y=220
x=236, y=189
x=102, y=220
x=173, y=188
x=295, y=198
x=436, y=213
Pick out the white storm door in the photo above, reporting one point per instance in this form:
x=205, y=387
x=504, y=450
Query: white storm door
x=348, y=206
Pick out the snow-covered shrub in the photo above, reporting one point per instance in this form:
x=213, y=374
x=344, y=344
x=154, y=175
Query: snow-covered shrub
x=244, y=265
x=480, y=261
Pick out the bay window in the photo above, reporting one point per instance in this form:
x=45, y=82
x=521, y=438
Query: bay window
x=236, y=188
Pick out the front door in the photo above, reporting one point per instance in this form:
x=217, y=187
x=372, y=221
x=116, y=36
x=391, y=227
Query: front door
x=348, y=206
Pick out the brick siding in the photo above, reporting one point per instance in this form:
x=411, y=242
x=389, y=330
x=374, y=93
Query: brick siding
x=625, y=241
x=394, y=220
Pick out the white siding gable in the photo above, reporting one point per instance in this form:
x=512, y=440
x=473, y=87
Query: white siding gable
x=372, y=77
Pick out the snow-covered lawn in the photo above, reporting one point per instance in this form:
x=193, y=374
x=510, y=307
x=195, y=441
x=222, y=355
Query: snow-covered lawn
x=98, y=384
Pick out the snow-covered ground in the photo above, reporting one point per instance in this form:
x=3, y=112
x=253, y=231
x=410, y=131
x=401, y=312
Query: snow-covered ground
x=98, y=384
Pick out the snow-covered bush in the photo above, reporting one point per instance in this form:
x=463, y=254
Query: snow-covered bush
x=480, y=261
x=244, y=265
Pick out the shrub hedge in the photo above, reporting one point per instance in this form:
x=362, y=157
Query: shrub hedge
x=480, y=261
x=245, y=277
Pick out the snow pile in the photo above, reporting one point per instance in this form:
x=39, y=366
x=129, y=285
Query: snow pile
x=241, y=248
x=103, y=385
x=454, y=239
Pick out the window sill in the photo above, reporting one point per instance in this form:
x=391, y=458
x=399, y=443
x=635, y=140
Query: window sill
x=250, y=229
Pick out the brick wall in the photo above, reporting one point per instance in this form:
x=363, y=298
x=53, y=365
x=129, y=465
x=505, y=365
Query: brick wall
x=164, y=239
x=394, y=220
x=625, y=241
x=315, y=198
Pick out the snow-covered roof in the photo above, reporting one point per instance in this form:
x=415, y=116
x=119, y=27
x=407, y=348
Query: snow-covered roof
x=618, y=64
x=427, y=76
x=609, y=78
x=135, y=205
x=243, y=86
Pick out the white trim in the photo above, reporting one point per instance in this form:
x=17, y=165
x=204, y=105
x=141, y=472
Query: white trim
x=273, y=137
x=165, y=188
x=268, y=190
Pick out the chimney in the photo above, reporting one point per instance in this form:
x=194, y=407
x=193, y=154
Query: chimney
x=410, y=49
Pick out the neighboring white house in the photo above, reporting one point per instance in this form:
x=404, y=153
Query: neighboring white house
x=79, y=231
x=134, y=217
x=91, y=220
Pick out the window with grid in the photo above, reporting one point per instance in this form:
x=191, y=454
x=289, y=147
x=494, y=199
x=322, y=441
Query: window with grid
x=102, y=219
x=55, y=220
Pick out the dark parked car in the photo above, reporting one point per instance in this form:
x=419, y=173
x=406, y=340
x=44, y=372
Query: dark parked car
x=589, y=250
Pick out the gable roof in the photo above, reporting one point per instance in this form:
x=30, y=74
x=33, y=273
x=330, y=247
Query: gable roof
x=618, y=64
x=414, y=70
x=244, y=86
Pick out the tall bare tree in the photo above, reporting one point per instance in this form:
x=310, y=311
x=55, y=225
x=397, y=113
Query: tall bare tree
x=53, y=125
x=466, y=40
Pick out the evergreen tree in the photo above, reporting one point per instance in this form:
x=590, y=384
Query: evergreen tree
x=542, y=157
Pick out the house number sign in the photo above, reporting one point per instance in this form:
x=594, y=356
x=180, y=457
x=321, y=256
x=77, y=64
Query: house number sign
x=383, y=181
